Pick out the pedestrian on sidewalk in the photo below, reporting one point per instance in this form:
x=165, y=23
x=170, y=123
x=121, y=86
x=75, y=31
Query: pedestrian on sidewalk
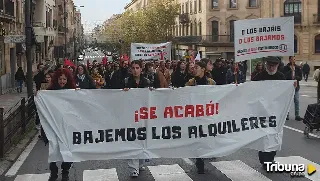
x=306, y=71
x=293, y=72
x=316, y=76
x=20, y=78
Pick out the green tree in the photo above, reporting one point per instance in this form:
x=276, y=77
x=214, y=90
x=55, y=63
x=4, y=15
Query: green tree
x=161, y=17
x=149, y=25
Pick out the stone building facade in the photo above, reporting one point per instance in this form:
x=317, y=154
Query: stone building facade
x=11, y=54
x=212, y=21
x=48, y=28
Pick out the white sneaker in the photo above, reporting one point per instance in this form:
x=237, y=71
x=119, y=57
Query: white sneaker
x=134, y=174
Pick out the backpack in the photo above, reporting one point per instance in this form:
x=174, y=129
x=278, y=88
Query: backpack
x=316, y=75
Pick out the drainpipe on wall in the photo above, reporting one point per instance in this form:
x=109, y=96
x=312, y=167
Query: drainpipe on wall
x=272, y=7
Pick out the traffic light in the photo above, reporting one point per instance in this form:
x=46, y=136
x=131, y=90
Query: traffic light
x=3, y=32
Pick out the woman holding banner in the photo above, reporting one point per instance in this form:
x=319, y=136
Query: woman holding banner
x=201, y=78
x=62, y=79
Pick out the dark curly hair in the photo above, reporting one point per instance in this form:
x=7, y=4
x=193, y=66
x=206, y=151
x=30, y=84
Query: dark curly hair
x=70, y=81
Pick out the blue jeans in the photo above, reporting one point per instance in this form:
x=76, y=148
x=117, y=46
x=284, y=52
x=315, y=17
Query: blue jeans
x=296, y=102
x=20, y=83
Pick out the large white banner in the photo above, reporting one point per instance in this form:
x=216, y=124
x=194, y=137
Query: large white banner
x=258, y=38
x=189, y=122
x=146, y=51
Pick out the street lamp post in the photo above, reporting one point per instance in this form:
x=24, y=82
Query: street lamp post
x=65, y=14
x=28, y=33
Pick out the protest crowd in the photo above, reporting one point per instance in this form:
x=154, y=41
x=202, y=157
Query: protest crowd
x=153, y=74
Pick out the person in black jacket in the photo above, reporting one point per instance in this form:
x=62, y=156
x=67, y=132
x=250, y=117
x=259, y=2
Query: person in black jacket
x=40, y=76
x=82, y=79
x=293, y=72
x=179, y=76
x=118, y=76
x=219, y=73
x=270, y=73
x=150, y=74
x=136, y=80
x=306, y=71
x=201, y=78
x=20, y=78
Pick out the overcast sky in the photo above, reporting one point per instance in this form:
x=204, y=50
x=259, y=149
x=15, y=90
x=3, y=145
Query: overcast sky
x=95, y=12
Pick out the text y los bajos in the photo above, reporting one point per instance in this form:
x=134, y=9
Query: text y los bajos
x=275, y=30
x=175, y=132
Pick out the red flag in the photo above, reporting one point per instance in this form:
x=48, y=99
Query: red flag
x=104, y=60
x=126, y=57
x=68, y=63
x=161, y=55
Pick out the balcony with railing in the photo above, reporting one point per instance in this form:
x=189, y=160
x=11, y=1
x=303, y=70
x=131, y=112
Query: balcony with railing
x=62, y=29
x=297, y=17
x=40, y=28
x=38, y=24
x=206, y=40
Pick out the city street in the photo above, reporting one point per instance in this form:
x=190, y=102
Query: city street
x=93, y=55
x=240, y=166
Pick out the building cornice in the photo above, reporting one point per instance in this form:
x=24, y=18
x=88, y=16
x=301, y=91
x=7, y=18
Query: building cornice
x=130, y=4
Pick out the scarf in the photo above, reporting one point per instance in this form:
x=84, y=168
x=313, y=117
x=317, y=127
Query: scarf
x=81, y=77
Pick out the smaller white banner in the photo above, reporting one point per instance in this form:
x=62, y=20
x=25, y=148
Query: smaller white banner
x=263, y=37
x=161, y=51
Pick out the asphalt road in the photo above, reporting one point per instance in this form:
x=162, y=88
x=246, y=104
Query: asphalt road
x=93, y=55
x=240, y=166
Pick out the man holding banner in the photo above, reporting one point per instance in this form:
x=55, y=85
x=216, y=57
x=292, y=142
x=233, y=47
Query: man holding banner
x=270, y=73
x=136, y=81
x=259, y=38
